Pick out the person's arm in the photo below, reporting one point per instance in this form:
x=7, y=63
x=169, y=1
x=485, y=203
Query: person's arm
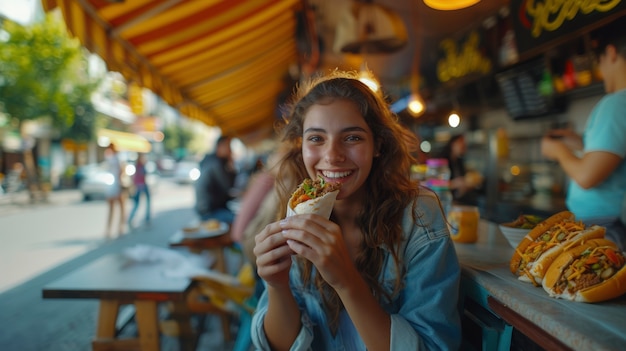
x=604, y=144
x=321, y=241
x=258, y=188
x=281, y=320
x=260, y=338
x=463, y=184
x=429, y=316
x=372, y=322
x=460, y=185
x=569, y=137
x=587, y=171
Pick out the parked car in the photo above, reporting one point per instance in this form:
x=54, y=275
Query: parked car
x=95, y=181
x=186, y=172
x=166, y=166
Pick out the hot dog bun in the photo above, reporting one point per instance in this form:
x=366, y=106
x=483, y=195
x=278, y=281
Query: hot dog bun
x=586, y=273
x=536, y=252
x=533, y=234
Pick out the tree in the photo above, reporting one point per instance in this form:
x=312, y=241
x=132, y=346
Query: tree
x=82, y=128
x=43, y=73
x=176, y=139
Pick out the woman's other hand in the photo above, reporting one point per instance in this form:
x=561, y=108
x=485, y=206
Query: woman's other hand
x=273, y=256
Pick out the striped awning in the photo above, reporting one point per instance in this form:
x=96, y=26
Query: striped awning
x=220, y=62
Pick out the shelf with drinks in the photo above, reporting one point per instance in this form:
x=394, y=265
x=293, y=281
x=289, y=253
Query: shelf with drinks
x=573, y=68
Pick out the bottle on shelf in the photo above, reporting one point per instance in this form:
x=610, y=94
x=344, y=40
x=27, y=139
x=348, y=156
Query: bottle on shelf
x=438, y=180
x=437, y=168
x=418, y=171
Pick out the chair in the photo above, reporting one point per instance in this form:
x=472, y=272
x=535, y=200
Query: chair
x=226, y=296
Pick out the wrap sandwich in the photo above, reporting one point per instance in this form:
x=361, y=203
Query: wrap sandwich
x=313, y=196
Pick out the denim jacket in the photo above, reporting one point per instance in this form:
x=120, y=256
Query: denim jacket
x=424, y=315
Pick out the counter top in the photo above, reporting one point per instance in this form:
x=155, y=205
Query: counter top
x=506, y=211
x=580, y=326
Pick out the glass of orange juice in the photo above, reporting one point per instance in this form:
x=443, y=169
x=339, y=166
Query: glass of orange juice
x=464, y=223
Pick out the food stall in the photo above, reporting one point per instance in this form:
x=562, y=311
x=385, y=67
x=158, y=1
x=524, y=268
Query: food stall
x=495, y=304
x=528, y=72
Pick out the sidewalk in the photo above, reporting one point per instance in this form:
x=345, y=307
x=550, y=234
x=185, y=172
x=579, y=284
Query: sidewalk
x=20, y=201
x=29, y=322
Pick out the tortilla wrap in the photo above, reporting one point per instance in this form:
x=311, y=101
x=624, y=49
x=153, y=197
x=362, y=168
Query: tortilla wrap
x=322, y=206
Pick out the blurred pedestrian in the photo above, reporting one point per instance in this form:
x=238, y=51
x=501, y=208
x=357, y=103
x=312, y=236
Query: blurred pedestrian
x=114, y=195
x=259, y=205
x=217, y=177
x=140, y=187
x=463, y=182
x=15, y=178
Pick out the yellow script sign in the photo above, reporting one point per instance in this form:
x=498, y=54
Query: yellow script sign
x=549, y=15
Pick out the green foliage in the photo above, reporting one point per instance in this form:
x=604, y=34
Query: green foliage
x=176, y=137
x=44, y=75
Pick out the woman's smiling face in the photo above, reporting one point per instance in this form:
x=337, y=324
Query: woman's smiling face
x=338, y=145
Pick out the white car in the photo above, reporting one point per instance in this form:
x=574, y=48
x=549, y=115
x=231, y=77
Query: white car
x=95, y=181
x=186, y=172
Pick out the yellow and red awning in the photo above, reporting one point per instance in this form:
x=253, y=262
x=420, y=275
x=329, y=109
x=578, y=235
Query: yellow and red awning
x=220, y=62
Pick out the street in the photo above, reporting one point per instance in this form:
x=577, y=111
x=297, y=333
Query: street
x=41, y=242
x=38, y=237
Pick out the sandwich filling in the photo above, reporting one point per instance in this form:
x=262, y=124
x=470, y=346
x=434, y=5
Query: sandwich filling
x=312, y=189
x=555, y=235
x=592, y=267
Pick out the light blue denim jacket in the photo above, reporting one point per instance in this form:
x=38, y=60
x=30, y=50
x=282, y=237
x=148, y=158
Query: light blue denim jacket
x=424, y=315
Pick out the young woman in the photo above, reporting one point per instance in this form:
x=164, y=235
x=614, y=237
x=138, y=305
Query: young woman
x=114, y=194
x=382, y=273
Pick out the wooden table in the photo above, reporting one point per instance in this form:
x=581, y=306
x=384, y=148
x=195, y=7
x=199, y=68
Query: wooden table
x=213, y=244
x=116, y=281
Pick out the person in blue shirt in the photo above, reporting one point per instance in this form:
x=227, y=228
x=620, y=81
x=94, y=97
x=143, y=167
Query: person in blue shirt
x=595, y=162
x=382, y=272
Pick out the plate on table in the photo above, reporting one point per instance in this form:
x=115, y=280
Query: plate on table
x=207, y=229
x=513, y=235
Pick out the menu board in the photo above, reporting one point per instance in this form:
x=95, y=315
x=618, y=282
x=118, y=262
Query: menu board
x=520, y=90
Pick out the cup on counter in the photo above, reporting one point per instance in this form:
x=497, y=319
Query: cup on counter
x=464, y=223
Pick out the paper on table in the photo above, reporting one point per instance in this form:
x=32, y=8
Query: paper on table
x=175, y=264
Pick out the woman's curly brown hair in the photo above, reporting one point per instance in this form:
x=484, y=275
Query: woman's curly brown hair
x=390, y=186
